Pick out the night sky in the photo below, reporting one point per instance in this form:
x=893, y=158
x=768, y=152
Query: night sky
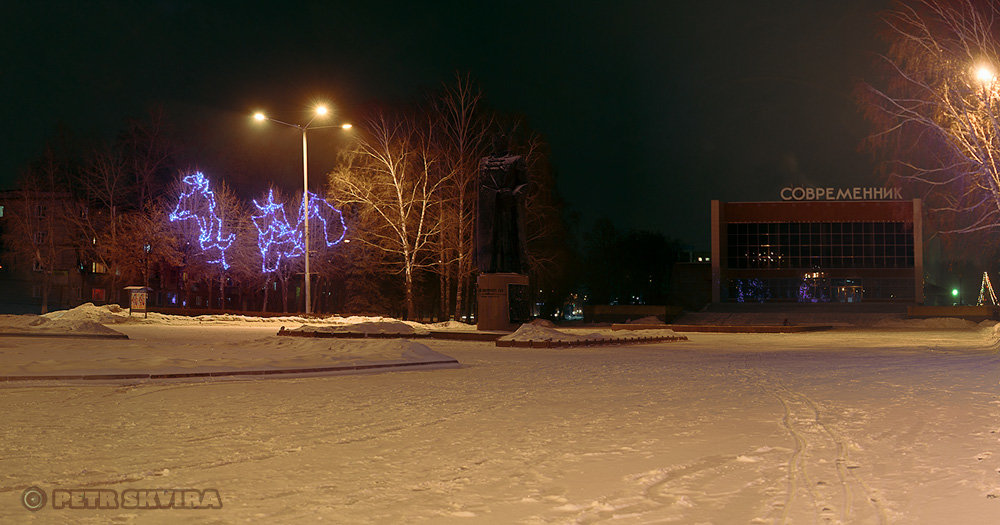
x=652, y=109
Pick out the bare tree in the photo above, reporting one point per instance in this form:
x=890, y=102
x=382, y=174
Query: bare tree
x=148, y=153
x=145, y=241
x=938, y=112
x=463, y=138
x=389, y=182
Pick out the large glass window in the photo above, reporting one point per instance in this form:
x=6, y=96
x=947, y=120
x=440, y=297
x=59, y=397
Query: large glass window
x=820, y=245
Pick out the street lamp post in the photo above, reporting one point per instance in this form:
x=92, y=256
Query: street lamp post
x=320, y=111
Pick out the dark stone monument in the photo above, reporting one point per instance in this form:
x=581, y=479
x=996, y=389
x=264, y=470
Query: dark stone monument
x=500, y=223
x=500, y=242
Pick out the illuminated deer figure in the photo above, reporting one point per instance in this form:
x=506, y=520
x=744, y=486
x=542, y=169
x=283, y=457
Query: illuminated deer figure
x=277, y=239
x=197, y=203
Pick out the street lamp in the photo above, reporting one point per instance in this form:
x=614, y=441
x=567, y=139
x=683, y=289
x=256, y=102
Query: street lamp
x=985, y=74
x=320, y=110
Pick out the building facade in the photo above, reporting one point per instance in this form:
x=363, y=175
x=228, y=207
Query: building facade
x=817, y=251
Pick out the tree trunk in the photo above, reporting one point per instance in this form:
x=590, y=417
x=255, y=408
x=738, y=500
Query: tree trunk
x=208, y=284
x=267, y=290
x=284, y=295
x=463, y=260
x=411, y=311
x=45, y=291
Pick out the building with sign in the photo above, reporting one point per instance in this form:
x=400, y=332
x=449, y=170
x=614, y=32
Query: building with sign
x=823, y=250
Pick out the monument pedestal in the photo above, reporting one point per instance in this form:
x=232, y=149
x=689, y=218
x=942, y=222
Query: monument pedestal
x=503, y=302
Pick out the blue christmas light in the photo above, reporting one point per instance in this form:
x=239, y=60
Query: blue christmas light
x=324, y=213
x=197, y=203
x=277, y=239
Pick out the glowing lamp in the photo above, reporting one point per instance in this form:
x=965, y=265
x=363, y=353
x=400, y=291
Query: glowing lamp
x=985, y=75
x=259, y=117
x=954, y=292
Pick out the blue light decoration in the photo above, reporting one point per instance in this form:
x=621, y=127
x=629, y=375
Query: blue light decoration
x=197, y=203
x=277, y=239
x=748, y=290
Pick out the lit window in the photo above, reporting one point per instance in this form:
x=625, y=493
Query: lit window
x=1, y=210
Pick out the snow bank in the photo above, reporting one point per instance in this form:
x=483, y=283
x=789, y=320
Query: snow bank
x=367, y=327
x=114, y=314
x=204, y=349
x=451, y=325
x=39, y=324
x=534, y=332
x=107, y=314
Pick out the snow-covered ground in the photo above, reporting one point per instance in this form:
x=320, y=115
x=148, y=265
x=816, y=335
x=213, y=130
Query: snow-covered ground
x=896, y=424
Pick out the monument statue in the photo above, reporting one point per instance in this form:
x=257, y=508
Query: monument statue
x=500, y=238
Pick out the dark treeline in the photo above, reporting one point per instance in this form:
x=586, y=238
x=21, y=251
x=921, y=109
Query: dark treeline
x=627, y=267
x=406, y=184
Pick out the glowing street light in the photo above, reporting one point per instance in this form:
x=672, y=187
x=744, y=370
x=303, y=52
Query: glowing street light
x=320, y=110
x=985, y=74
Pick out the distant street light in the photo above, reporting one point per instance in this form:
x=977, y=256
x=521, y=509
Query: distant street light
x=320, y=111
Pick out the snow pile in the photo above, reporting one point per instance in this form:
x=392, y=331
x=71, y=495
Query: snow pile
x=451, y=325
x=534, y=332
x=114, y=314
x=543, y=322
x=368, y=327
x=107, y=314
x=39, y=324
x=529, y=332
x=204, y=350
x=334, y=320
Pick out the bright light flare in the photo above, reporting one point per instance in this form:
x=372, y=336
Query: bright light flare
x=321, y=110
x=346, y=126
x=985, y=74
x=259, y=117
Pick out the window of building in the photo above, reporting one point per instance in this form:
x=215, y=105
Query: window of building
x=820, y=245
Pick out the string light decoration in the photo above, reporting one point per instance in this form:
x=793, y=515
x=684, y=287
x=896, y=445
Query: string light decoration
x=277, y=239
x=986, y=287
x=197, y=203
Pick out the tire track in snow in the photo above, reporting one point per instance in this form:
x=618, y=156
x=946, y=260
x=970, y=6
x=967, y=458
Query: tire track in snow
x=821, y=454
x=795, y=467
x=845, y=470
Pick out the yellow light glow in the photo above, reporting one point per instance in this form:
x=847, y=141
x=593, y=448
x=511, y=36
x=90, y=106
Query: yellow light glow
x=321, y=110
x=346, y=126
x=985, y=75
x=259, y=116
